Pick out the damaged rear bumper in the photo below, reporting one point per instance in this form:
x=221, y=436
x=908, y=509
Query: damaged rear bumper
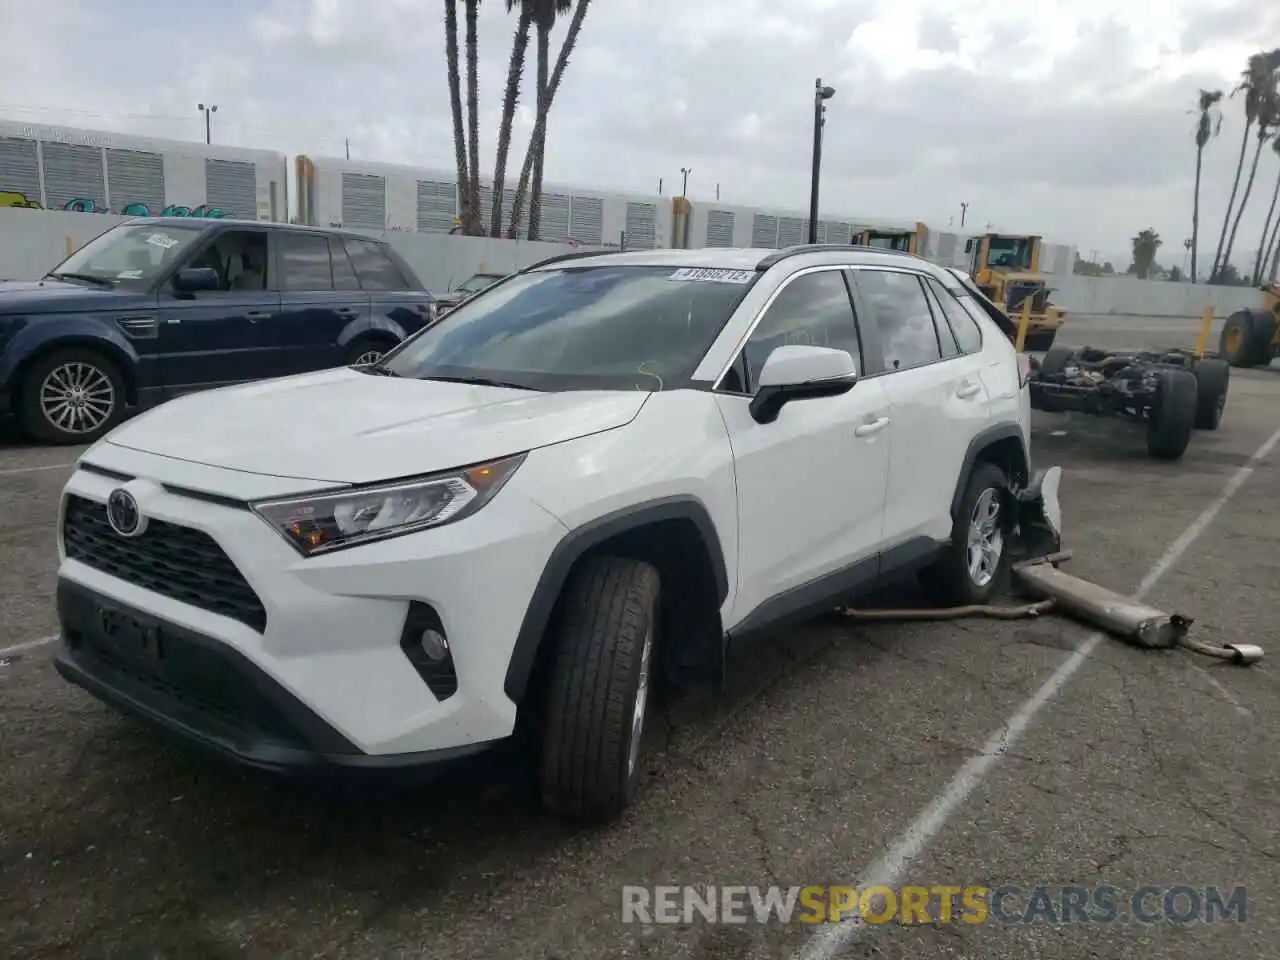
x=1038, y=515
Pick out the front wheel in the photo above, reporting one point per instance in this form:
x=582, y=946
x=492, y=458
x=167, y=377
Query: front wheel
x=71, y=396
x=1213, y=378
x=365, y=351
x=1173, y=414
x=604, y=637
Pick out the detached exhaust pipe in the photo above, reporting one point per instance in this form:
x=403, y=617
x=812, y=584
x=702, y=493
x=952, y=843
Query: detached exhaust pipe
x=1128, y=619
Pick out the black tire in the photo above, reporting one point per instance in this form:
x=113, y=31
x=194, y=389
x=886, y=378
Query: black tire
x=951, y=580
x=1173, y=415
x=363, y=348
x=1246, y=338
x=1213, y=377
x=1055, y=360
x=1040, y=341
x=604, y=637
x=101, y=380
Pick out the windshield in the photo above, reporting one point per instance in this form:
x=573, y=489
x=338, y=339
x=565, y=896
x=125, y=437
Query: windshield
x=1010, y=253
x=890, y=241
x=580, y=328
x=479, y=282
x=132, y=255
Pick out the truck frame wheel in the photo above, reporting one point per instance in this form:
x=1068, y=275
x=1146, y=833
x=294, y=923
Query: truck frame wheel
x=1173, y=415
x=604, y=638
x=1212, y=378
x=71, y=396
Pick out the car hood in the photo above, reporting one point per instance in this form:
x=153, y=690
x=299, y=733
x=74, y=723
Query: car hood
x=343, y=426
x=53, y=296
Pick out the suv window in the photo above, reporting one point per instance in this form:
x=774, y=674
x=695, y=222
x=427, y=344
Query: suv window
x=304, y=262
x=580, y=328
x=946, y=339
x=239, y=258
x=902, y=317
x=814, y=309
x=376, y=270
x=132, y=256
x=963, y=327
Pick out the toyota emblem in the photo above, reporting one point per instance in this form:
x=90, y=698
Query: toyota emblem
x=123, y=514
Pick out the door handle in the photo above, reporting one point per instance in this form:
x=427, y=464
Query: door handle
x=346, y=311
x=256, y=315
x=871, y=427
x=968, y=390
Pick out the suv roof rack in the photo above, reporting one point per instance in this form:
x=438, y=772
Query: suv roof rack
x=575, y=255
x=778, y=256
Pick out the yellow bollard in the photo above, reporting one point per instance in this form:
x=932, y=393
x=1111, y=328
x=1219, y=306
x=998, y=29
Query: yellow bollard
x=70, y=247
x=1024, y=323
x=1202, y=339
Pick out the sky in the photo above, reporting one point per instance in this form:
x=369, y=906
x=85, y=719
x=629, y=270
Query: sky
x=1069, y=118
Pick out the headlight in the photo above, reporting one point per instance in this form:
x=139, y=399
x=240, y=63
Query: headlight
x=330, y=521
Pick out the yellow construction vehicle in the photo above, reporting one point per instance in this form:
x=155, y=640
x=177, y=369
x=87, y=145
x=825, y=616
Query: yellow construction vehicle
x=1251, y=338
x=1006, y=267
x=904, y=241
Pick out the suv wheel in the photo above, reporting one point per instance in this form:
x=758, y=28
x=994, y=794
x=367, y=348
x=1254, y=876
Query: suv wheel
x=600, y=682
x=71, y=396
x=974, y=565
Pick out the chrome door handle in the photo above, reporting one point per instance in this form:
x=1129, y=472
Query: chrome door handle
x=871, y=427
x=967, y=390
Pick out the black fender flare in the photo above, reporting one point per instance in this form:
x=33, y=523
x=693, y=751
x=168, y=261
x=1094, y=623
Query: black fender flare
x=980, y=442
x=577, y=542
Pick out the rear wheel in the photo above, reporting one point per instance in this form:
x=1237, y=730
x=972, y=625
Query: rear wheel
x=1039, y=341
x=1212, y=380
x=71, y=396
x=1173, y=415
x=975, y=563
x=365, y=350
x=1246, y=338
x=604, y=637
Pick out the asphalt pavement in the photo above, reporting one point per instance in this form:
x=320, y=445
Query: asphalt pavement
x=970, y=753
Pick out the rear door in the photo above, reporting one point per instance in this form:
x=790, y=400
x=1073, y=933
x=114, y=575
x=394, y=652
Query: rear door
x=399, y=303
x=937, y=401
x=319, y=300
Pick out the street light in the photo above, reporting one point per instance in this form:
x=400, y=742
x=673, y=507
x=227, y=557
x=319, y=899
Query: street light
x=821, y=95
x=684, y=187
x=208, y=112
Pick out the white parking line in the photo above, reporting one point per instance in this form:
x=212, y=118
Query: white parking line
x=829, y=941
x=29, y=645
x=50, y=466
x=1227, y=695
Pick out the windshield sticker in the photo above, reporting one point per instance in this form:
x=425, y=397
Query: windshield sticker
x=162, y=240
x=129, y=275
x=706, y=275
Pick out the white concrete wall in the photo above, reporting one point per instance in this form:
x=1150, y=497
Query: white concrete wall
x=33, y=241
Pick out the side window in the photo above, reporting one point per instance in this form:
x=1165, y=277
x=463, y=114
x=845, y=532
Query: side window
x=813, y=309
x=966, y=331
x=902, y=317
x=946, y=339
x=376, y=270
x=344, y=276
x=304, y=261
x=239, y=258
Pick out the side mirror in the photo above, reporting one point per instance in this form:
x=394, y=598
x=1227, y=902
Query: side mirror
x=801, y=373
x=968, y=245
x=196, y=279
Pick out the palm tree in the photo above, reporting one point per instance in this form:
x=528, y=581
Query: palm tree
x=1145, y=245
x=1257, y=85
x=1263, y=246
x=455, y=104
x=546, y=12
x=1208, y=126
x=515, y=70
x=473, y=226
x=537, y=141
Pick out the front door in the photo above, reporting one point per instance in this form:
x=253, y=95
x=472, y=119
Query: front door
x=217, y=337
x=320, y=298
x=811, y=484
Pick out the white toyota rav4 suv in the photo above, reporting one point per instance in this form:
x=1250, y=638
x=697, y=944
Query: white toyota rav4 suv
x=600, y=465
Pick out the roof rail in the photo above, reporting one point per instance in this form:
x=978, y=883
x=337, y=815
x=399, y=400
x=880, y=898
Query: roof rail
x=777, y=256
x=576, y=255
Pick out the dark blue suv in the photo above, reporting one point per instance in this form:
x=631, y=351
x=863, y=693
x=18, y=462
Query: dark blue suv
x=158, y=307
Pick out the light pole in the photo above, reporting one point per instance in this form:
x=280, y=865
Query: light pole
x=684, y=186
x=208, y=112
x=964, y=210
x=821, y=95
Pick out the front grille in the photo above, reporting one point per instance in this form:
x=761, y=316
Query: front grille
x=173, y=561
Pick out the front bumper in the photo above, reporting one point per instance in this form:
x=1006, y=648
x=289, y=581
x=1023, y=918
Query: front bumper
x=331, y=639
x=204, y=691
